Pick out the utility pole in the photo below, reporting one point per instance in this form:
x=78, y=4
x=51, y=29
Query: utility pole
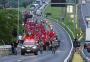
x=75, y=18
x=75, y=21
x=18, y=20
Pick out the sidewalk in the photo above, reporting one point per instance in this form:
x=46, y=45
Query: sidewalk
x=77, y=58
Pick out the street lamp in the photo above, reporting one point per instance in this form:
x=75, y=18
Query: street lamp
x=18, y=20
x=75, y=17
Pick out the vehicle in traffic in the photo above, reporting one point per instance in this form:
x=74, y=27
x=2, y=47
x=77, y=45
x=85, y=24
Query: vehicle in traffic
x=29, y=46
x=83, y=1
x=39, y=2
x=38, y=12
x=87, y=40
x=87, y=19
x=34, y=7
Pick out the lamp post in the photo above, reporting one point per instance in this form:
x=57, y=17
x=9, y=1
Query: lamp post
x=75, y=18
x=18, y=20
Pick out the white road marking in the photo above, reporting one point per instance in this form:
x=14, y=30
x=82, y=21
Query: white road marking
x=19, y=60
x=59, y=51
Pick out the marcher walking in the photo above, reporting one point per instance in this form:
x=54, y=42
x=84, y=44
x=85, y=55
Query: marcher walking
x=53, y=47
x=76, y=45
x=14, y=48
x=41, y=46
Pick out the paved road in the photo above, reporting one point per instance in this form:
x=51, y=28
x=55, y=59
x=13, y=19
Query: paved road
x=60, y=55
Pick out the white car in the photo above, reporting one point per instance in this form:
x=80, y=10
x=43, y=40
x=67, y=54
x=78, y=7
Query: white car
x=83, y=1
x=34, y=7
x=39, y=12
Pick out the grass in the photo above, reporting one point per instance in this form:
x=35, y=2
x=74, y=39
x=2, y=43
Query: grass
x=55, y=12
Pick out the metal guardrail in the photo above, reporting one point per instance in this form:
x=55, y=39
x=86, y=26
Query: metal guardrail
x=5, y=50
x=87, y=59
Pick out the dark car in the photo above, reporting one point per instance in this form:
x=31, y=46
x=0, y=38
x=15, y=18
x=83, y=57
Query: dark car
x=87, y=47
x=29, y=47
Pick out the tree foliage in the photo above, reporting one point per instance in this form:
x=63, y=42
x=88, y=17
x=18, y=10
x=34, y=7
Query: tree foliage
x=8, y=22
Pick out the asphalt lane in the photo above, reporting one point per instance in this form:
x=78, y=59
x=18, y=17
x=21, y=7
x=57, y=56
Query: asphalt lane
x=60, y=55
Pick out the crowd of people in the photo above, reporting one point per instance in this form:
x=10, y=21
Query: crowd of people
x=48, y=46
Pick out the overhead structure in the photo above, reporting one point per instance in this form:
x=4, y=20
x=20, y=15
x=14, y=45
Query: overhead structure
x=58, y=3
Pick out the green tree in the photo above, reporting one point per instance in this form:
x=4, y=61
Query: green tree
x=8, y=22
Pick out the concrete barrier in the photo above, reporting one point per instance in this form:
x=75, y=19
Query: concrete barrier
x=5, y=50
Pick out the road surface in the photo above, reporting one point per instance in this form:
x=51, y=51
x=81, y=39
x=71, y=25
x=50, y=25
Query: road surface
x=60, y=55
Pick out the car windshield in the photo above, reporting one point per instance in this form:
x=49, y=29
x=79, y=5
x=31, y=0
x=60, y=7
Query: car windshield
x=33, y=6
x=29, y=43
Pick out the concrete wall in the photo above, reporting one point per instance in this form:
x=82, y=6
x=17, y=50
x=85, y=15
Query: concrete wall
x=5, y=50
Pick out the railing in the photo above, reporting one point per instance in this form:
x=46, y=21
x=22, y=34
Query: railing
x=87, y=59
x=5, y=50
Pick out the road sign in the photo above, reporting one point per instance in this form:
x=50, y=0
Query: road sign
x=58, y=1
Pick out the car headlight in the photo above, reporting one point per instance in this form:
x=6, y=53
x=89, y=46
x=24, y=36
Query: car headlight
x=23, y=47
x=34, y=47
